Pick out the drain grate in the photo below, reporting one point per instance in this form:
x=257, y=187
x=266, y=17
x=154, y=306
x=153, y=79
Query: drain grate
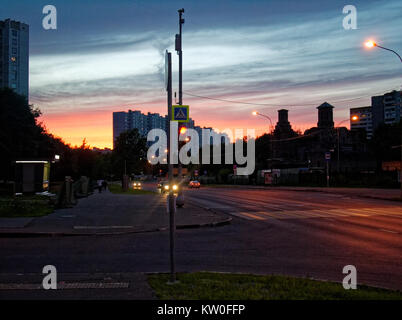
x=66, y=286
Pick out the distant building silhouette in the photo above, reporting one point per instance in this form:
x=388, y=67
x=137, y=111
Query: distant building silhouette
x=125, y=121
x=325, y=116
x=283, y=129
x=14, y=56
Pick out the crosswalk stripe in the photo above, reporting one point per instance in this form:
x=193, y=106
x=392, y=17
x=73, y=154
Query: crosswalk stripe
x=332, y=212
x=250, y=215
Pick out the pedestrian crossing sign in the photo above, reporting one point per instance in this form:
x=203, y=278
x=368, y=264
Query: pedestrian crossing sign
x=180, y=113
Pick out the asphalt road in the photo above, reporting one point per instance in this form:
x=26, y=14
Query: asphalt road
x=284, y=232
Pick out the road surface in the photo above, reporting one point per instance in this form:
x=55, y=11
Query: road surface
x=273, y=231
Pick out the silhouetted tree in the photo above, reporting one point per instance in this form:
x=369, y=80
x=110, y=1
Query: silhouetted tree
x=129, y=153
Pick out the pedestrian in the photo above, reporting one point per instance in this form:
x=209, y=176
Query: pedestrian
x=100, y=186
x=104, y=185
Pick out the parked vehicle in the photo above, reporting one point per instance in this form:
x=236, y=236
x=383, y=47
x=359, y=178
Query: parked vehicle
x=194, y=184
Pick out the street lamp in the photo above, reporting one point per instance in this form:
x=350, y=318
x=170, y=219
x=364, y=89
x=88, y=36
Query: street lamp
x=337, y=127
x=370, y=44
x=256, y=113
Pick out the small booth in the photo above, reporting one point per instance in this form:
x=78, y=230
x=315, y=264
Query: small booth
x=32, y=176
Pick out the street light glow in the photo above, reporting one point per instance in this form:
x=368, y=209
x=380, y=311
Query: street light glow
x=183, y=130
x=370, y=44
x=255, y=113
x=355, y=118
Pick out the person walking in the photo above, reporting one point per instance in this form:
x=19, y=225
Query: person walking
x=99, y=186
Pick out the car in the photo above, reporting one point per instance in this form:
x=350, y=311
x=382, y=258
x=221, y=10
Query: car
x=164, y=187
x=194, y=184
x=136, y=185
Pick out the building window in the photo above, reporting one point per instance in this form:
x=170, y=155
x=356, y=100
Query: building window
x=14, y=50
x=14, y=33
x=14, y=42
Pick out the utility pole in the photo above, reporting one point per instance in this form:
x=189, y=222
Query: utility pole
x=171, y=202
x=178, y=48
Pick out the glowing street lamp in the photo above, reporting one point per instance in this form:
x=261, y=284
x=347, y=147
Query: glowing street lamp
x=256, y=113
x=371, y=44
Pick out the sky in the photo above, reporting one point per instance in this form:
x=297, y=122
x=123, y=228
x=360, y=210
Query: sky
x=108, y=56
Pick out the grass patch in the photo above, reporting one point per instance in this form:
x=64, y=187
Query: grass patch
x=115, y=188
x=25, y=206
x=218, y=286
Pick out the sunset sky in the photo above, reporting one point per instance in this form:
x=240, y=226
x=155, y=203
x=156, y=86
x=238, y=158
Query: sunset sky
x=108, y=56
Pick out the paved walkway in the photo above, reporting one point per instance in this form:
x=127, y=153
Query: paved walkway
x=108, y=213
x=77, y=286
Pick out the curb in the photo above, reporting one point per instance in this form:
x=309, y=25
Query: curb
x=70, y=234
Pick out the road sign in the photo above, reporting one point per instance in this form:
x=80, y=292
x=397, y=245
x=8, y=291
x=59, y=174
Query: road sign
x=180, y=113
x=327, y=156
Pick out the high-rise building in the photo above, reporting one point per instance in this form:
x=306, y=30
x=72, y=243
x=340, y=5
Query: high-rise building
x=386, y=108
x=361, y=118
x=124, y=121
x=14, y=56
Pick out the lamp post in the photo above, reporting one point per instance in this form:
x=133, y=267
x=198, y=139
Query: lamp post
x=353, y=118
x=256, y=113
x=371, y=44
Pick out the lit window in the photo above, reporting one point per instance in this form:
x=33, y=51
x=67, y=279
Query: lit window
x=13, y=59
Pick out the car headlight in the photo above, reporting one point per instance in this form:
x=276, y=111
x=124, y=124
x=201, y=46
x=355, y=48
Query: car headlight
x=167, y=187
x=135, y=184
x=139, y=184
x=174, y=187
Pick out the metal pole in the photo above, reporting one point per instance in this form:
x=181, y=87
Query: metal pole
x=338, y=152
x=327, y=174
x=181, y=21
x=180, y=52
x=171, y=204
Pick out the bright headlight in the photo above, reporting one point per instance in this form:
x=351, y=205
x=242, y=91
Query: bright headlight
x=166, y=187
x=174, y=187
x=135, y=184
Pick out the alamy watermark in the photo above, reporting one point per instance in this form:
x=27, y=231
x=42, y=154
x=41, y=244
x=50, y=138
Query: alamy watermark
x=189, y=153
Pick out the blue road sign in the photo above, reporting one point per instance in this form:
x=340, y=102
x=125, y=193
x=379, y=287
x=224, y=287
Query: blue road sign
x=180, y=113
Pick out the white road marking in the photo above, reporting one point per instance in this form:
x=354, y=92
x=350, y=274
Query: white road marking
x=389, y=231
x=102, y=227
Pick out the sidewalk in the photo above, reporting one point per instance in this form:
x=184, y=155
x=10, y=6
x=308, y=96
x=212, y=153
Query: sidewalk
x=77, y=286
x=107, y=213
